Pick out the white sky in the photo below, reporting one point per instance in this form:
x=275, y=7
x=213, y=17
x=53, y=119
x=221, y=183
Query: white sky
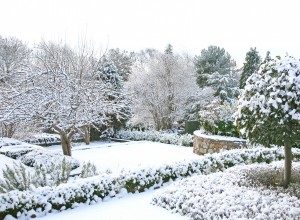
x=189, y=25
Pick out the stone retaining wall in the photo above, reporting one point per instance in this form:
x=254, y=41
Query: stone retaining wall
x=204, y=144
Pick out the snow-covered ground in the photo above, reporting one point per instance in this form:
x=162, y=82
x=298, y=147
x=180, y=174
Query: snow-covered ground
x=130, y=207
x=115, y=157
x=129, y=155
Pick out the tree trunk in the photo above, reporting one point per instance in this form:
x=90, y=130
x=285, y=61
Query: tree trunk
x=287, y=165
x=66, y=144
x=87, y=134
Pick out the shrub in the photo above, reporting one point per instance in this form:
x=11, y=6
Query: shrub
x=88, y=170
x=16, y=177
x=47, y=158
x=90, y=190
x=156, y=136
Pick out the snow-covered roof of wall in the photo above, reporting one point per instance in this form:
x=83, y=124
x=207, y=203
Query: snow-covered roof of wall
x=217, y=137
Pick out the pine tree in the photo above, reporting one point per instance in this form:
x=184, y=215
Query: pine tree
x=251, y=65
x=216, y=69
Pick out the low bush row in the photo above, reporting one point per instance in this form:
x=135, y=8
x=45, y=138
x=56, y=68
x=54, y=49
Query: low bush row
x=28, y=204
x=242, y=192
x=156, y=136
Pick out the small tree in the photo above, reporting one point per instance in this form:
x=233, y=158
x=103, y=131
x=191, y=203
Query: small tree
x=269, y=107
x=251, y=65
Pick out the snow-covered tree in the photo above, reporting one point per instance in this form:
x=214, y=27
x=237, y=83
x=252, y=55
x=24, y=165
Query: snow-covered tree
x=162, y=84
x=252, y=62
x=215, y=68
x=269, y=107
x=72, y=95
x=15, y=69
x=122, y=60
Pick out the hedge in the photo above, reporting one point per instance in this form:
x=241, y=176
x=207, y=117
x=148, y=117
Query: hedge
x=27, y=204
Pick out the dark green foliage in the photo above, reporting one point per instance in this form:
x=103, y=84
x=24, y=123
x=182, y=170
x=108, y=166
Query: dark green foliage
x=216, y=69
x=191, y=126
x=252, y=62
x=214, y=59
x=265, y=108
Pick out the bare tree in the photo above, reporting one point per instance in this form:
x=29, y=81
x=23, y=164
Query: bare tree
x=15, y=69
x=162, y=83
x=74, y=97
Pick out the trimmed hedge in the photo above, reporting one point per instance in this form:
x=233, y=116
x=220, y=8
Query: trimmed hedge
x=28, y=204
x=157, y=136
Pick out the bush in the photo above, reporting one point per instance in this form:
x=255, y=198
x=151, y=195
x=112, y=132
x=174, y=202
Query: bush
x=88, y=170
x=15, y=149
x=16, y=177
x=20, y=178
x=156, y=136
x=47, y=158
x=90, y=190
x=233, y=195
x=217, y=118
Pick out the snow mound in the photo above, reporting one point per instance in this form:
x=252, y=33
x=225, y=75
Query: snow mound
x=231, y=195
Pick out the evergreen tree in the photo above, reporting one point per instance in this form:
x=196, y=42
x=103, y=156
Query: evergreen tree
x=251, y=65
x=216, y=69
x=169, y=49
x=268, y=110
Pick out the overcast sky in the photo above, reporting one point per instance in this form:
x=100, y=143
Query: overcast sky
x=189, y=25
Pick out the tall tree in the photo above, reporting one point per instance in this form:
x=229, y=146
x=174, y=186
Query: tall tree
x=162, y=83
x=15, y=68
x=71, y=96
x=252, y=62
x=216, y=69
x=269, y=107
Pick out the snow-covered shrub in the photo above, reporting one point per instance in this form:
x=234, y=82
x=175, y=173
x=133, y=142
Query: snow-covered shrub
x=20, y=178
x=14, y=149
x=88, y=170
x=43, y=139
x=47, y=158
x=89, y=190
x=52, y=173
x=217, y=118
x=232, y=195
x=16, y=177
x=156, y=136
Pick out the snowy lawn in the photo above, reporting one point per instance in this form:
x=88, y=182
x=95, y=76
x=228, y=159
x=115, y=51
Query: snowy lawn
x=115, y=156
x=131, y=207
x=241, y=192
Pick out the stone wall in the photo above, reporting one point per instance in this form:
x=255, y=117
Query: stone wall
x=204, y=144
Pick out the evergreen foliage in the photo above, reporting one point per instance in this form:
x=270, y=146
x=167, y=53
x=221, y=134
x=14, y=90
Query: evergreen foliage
x=251, y=65
x=269, y=107
x=215, y=68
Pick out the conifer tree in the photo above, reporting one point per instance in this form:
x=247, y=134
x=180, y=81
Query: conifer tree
x=251, y=65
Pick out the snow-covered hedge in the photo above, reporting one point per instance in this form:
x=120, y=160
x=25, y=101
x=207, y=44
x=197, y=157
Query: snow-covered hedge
x=42, y=200
x=232, y=195
x=46, y=157
x=45, y=139
x=156, y=136
x=14, y=149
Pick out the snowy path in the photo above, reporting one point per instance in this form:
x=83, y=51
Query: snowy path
x=130, y=207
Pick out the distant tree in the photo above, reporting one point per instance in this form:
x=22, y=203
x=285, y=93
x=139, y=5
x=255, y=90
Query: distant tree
x=169, y=49
x=216, y=69
x=122, y=60
x=162, y=84
x=269, y=107
x=15, y=68
x=252, y=62
x=267, y=58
